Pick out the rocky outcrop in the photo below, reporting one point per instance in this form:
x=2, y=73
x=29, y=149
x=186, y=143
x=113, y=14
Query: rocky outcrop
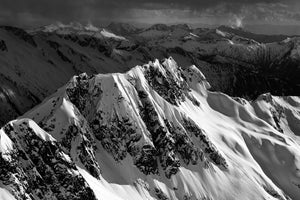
x=37, y=167
x=3, y=46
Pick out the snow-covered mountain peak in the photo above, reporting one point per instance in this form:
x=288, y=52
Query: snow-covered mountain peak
x=59, y=25
x=77, y=29
x=155, y=131
x=91, y=27
x=146, y=133
x=132, y=101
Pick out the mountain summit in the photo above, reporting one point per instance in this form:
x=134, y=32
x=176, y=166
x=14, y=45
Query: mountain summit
x=154, y=132
x=77, y=29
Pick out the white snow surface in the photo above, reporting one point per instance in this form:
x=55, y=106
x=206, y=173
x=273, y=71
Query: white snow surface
x=263, y=163
x=77, y=28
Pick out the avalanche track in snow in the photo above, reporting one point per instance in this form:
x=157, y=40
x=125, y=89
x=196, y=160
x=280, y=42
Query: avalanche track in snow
x=155, y=132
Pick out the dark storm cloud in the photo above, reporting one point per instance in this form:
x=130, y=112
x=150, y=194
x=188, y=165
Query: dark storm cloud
x=41, y=11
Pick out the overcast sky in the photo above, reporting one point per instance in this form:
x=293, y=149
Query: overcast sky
x=99, y=12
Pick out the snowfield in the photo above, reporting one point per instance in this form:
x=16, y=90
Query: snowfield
x=154, y=132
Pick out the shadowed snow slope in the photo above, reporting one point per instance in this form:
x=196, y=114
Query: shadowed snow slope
x=154, y=132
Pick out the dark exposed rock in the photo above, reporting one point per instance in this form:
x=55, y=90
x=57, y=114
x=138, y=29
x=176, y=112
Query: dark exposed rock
x=183, y=145
x=208, y=148
x=170, y=88
x=85, y=149
x=162, y=139
x=276, y=110
x=44, y=170
x=3, y=46
x=86, y=41
x=21, y=34
x=274, y=193
x=160, y=194
x=77, y=91
x=118, y=137
x=53, y=44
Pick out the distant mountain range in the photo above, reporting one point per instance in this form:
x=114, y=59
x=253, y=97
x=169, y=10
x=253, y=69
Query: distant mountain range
x=270, y=29
x=34, y=63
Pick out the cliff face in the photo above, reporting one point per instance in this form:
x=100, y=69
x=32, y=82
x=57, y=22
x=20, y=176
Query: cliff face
x=154, y=132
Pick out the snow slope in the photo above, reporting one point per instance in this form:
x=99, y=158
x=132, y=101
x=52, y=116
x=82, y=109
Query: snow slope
x=76, y=28
x=34, y=63
x=154, y=132
x=34, y=66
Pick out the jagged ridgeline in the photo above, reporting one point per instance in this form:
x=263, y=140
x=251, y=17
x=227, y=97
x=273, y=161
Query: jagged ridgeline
x=154, y=132
x=34, y=63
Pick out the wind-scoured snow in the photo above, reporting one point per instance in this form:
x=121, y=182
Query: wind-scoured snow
x=154, y=132
x=76, y=28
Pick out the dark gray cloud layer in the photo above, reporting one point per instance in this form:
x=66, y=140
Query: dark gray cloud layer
x=39, y=12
